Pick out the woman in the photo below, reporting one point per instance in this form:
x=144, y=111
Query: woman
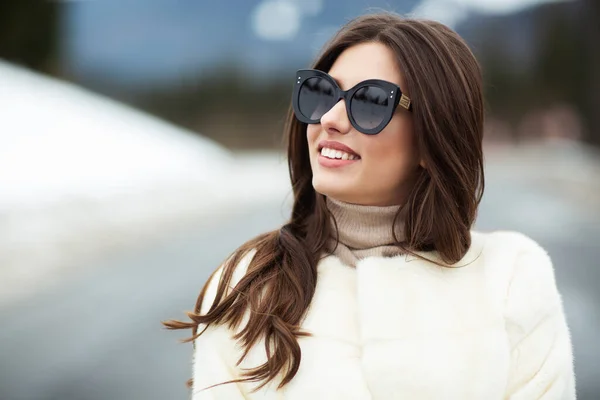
x=376, y=288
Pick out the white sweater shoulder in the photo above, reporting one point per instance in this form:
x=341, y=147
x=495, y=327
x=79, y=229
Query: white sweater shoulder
x=541, y=364
x=216, y=353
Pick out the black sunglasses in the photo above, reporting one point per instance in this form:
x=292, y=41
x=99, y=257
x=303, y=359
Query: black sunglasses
x=370, y=104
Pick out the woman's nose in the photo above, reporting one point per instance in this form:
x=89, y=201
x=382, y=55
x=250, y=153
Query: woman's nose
x=336, y=119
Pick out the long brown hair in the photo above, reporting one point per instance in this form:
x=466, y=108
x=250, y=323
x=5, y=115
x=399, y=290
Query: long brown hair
x=443, y=79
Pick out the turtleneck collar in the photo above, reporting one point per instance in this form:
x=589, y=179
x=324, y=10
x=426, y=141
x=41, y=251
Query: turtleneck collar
x=363, y=231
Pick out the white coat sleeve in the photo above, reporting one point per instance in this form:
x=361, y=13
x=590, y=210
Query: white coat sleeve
x=541, y=352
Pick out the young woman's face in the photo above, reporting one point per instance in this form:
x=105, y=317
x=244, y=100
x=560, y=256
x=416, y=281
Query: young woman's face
x=387, y=164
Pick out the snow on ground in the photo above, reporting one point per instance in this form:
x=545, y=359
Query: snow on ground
x=566, y=170
x=82, y=175
x=58, y=140
x=550, y=190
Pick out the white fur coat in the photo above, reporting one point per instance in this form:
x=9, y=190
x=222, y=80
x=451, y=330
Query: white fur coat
x=403, y=328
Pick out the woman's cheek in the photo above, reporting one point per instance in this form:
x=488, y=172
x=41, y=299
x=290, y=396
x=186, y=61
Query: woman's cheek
x=312, y=132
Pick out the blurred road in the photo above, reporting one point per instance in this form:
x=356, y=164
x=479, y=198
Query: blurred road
x=98, y=336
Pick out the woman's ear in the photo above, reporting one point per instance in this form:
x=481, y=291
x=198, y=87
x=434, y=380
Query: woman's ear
x=422, y=164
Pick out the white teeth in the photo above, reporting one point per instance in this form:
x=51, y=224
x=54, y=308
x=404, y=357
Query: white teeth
x=337, y=154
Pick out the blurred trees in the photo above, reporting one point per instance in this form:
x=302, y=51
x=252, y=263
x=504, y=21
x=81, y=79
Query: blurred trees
x=29, y=34
x=226, y=104
x=533, y=60
x=591, y=16
x=563, y=69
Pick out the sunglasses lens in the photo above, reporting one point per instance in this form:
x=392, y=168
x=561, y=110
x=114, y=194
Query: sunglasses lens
x=369, y=106
x=315, y=98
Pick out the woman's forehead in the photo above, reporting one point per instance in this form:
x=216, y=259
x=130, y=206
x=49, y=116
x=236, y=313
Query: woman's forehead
x=366, y=61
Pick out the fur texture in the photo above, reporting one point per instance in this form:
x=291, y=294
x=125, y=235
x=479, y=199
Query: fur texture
x=402, y=328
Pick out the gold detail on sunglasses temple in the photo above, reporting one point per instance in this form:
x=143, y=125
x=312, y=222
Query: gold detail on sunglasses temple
x=405, y=101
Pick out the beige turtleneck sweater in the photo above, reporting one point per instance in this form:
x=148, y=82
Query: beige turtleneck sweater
x=364, y=231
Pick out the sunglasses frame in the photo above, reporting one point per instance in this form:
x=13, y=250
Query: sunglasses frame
x=396, y=96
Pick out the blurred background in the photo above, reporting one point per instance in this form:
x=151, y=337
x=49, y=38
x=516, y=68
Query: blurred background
x=140, y=143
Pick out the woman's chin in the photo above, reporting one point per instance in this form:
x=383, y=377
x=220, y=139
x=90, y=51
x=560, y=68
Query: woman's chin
x=334, y=188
